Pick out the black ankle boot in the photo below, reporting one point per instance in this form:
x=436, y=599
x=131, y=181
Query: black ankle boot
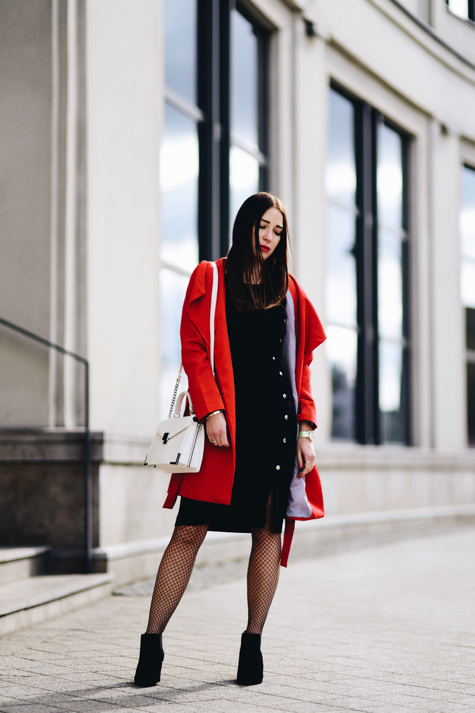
x=150, y=660
x=251, y=666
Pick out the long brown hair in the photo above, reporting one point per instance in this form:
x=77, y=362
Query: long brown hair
x=245, y=262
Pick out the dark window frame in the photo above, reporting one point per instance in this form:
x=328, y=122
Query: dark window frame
x=368, y=417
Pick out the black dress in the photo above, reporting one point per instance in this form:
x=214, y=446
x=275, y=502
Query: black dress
x=266, y=426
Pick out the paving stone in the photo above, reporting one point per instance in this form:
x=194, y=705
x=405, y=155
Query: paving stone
x=386, y=629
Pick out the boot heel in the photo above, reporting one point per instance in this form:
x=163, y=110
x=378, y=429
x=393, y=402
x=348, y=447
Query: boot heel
x=150, y=662
x=251, y=665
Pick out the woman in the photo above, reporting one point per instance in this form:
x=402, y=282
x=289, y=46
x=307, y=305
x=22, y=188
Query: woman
x=259, y=462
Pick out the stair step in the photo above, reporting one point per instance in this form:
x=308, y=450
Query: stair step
x=20, y=562
x=27, y=602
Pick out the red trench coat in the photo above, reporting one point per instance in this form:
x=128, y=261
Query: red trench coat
x=214, y=482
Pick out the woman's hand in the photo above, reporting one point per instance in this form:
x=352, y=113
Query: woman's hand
x=305, y=456
x=217, y=430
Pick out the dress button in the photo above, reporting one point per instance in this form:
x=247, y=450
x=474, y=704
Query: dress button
x=277, y=467
x=284, y=440
x=284, y=395
x=273, y=358
x=281, y=373
x=286, y=417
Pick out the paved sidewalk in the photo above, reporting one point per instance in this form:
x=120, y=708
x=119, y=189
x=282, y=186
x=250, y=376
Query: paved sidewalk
x=383, y=629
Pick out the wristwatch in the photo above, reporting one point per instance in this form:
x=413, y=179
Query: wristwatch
x=307, y=434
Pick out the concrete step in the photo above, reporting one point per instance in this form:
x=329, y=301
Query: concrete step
x=22, y=562
x=30, y=601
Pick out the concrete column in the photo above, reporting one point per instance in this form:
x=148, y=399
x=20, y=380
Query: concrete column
x=309, y=229
x=124, y=114
x=447, y=327
x=436, y=8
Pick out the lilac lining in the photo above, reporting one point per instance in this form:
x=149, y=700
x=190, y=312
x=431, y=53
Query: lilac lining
x=298, y=504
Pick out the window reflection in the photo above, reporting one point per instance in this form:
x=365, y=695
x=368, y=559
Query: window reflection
x=172, y=294
x=467, y=238
x=341, y=350
x=467, y=283
x=390, y=302
x=391, y=236
x=341, y=169
x=459, y=7
x=341, y=275
x=467, y=288
x=341, y=264
x=244, y=79
x=180, y=47
x=389, y=179
x=244, y=178
x=390, y=390
x=179, y=190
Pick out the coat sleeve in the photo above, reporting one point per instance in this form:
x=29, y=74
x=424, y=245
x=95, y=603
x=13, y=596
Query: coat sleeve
x=202, y=385
x=307, y=411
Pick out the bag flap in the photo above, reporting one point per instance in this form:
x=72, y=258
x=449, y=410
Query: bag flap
x=173, y=426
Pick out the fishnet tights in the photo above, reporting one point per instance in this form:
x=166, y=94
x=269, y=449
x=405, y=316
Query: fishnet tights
x=174, y=574
x=177, y=565
x=262, y=573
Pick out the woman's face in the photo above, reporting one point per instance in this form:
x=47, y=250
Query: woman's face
x=270, y=230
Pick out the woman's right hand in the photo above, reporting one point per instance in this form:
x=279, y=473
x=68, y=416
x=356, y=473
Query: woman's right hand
x=217, y=430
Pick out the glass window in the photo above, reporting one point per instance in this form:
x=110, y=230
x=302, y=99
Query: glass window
x=365, y=299
x=470, y=326
x=248, y=160
x=244, y=178
x=341, y=348
x=179, y=190
x=341, y=274
x=341, y=169
x=389, y=180
x=389, y=286
x=179, y=175
x=195, y=200
x=459, y=7
x=244, y=80
x=341, y=302
x=467, y=288
x=180, y=47
x=391, y=235
x=467, y=238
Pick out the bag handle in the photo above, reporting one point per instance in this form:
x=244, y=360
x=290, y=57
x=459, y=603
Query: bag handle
x=212, y=316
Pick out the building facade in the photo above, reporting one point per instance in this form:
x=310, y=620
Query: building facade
x=131, y=132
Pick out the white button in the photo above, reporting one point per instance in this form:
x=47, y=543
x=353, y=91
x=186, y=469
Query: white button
x=273, y=358
x=284, y=395
x=285, y=440
x=286, y=417
x=277, y=467
x=281, y=373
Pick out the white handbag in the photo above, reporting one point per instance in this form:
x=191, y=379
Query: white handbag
x=179, y=441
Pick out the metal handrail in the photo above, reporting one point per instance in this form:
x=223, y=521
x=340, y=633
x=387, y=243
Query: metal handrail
x=87, y=435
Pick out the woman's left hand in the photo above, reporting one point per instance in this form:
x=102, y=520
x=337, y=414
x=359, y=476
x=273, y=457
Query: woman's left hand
x=305, y=456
